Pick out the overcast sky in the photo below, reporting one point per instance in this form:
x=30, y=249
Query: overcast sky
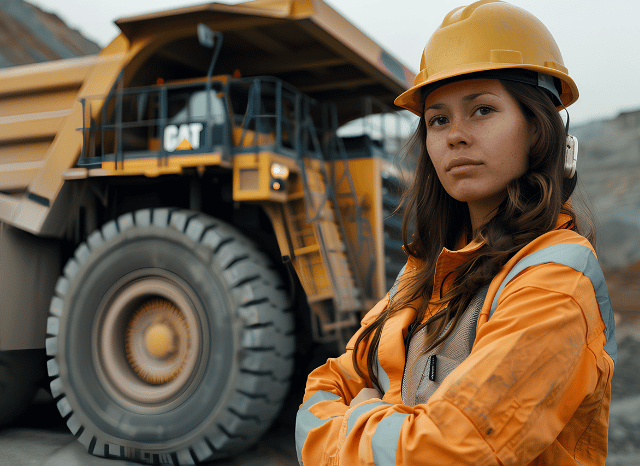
x=599, y=40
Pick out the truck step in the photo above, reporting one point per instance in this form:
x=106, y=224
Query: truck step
x=306, y=250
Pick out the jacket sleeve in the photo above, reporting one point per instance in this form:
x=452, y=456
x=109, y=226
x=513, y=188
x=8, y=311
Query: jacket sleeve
x=532, y=365
x=329, y=390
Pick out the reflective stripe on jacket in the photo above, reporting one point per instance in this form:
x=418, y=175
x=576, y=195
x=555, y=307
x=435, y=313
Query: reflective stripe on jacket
x=534, y=390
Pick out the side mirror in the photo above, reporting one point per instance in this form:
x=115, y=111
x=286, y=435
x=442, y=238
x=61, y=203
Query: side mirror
x=206, y=36
x=212, y=40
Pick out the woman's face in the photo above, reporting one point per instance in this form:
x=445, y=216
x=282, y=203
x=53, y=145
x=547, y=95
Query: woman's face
x=478, y=140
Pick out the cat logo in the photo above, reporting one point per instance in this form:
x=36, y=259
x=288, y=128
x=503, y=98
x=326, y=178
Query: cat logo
x=183, y=137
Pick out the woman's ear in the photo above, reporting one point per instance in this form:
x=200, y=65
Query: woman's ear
x=534, y=132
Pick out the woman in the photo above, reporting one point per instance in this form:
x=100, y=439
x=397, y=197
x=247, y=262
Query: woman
x=495, y=346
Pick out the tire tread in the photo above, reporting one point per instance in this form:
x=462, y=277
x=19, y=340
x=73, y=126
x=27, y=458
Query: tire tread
x=266, y=343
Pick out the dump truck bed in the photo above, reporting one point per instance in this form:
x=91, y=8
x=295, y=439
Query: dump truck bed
x=305, y=43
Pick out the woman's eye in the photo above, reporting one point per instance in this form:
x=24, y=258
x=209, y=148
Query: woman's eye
x=483, y=110
x=438, y=121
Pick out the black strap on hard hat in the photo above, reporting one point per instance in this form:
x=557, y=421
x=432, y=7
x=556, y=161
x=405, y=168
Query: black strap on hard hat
x=533, y=78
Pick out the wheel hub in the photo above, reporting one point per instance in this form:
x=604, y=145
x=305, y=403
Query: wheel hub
x=157, y=341
x=149, y=342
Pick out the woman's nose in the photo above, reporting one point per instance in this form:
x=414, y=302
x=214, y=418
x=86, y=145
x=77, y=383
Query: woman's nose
x=458, y=133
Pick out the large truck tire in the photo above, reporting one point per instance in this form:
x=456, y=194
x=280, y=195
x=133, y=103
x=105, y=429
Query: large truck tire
x=22, y=372
x=171, y=338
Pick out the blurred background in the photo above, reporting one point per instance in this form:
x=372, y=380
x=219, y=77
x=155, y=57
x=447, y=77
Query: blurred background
x=600, y=43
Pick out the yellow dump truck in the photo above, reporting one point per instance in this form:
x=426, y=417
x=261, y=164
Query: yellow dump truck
x=178, y=211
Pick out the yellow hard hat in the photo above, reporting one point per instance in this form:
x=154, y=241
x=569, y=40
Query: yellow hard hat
x=495, y=39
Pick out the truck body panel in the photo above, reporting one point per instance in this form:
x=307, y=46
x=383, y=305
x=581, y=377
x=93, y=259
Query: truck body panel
x=29, y=268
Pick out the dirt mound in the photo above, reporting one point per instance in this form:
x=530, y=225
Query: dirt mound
x=30, y=35
x=624, y=291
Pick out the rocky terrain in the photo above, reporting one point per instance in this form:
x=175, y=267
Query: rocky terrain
x=609, y=170
x=30, y=35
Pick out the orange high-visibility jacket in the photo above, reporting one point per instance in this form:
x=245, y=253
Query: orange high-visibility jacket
x=535, y=389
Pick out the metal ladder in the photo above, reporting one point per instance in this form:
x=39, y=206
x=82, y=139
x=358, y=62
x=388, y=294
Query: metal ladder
x=318, y=237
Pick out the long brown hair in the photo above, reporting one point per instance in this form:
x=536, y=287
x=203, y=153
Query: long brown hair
x=530, y=209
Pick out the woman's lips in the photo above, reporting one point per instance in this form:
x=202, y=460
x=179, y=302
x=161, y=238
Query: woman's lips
x=459, y=163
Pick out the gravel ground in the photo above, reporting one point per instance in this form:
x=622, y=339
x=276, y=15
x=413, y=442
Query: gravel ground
x=624, y=415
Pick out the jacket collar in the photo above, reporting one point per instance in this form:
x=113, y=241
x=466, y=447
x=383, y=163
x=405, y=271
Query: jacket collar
x=448, y=259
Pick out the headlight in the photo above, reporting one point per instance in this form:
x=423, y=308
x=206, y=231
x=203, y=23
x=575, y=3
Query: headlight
x=279, y=171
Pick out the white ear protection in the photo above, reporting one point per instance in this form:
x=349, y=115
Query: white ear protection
x=571, y=156
x=571, y=151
